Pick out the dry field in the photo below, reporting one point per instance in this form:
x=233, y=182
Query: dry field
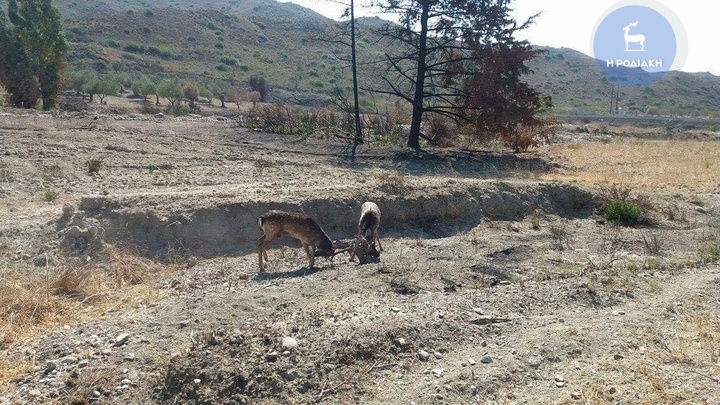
x=128, y=269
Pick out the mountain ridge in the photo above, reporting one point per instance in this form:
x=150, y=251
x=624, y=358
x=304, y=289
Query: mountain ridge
x=199, y=41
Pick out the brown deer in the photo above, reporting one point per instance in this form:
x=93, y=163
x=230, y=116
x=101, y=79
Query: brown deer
x=369, y=223
x=298, y=225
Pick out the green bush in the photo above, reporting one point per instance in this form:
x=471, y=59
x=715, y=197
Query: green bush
x=623, y=212
x=50, y=195
x=229, y=60
x=135, y=48
x=161, y=53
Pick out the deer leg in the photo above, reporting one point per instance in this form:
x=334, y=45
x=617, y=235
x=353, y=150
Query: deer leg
x=261, y=251
x=310, y=254
x=377, y=238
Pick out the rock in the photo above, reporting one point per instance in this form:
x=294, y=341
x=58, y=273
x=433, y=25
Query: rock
x=68, y=211
x=423, y=355
x=69, y=360
x=471, y=361
x=437, y=355
x=289, y=342
x=271, y=356
x=121, y=339
x=438, y=372
x=34, y=393
x=535, y=362
x=43, y=260
x=289, y=375
x=50, y=366
x=486, y=359
x=129, y=357
x=575, y=395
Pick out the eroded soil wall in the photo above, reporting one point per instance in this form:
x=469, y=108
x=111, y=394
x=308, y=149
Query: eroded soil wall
x=210, y=227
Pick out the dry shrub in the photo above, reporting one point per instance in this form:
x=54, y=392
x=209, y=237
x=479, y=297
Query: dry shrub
x=280, y=119
x=80, y=384
x=392, y=182
x=12, y=366
x=560, y=236
x=327, y=117
x=94, y=165
x=525, y=137
x=32, y=300
x=275, y=118
x=654, y=242
x=262, y=164
x=52, y=170
x=69, y=281
x=385, y=129
x=440, y=130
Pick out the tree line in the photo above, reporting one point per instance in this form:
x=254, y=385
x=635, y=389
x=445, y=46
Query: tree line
x=89, y=86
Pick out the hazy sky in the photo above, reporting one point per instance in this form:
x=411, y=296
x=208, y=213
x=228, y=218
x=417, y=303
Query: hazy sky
x=570, y=23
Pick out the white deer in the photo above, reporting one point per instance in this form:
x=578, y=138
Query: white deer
x=640, y=38
x=367, y=236
x=369, y=223
x=298, y=225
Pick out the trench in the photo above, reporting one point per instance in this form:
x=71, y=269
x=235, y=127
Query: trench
x=225, y=227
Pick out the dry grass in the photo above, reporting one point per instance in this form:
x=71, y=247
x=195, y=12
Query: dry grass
x=33, y=301
x=393, y=182
x=644, y=165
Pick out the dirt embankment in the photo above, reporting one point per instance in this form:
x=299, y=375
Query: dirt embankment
x=208, y=226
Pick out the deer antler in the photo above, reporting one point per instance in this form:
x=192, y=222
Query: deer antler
x=631, y=25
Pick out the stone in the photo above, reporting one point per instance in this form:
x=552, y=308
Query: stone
x=50, y=366
x=271, y=356
x=289, y=342
x=423, y=355
x=121, y=339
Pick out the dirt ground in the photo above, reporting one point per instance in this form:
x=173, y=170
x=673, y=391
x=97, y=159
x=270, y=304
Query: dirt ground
x=500, y=283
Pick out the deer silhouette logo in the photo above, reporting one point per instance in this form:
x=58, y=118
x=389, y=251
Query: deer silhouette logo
x=640, y=38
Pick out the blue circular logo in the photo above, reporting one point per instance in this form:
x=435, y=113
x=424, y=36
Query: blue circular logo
x=635, y=45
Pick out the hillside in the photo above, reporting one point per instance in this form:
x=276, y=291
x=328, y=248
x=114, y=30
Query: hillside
x=578, y=86
x=237, y=39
